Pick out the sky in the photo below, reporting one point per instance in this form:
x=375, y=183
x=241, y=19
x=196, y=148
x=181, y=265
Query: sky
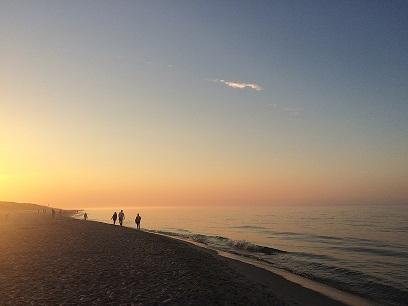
x=204, y=102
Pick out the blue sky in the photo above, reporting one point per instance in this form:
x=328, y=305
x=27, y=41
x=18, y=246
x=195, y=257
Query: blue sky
x=325, y=88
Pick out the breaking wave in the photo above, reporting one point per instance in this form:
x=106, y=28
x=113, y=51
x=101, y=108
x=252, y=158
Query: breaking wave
x=223, y=243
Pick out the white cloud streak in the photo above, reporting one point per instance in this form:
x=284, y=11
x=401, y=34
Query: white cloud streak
x=240, y=85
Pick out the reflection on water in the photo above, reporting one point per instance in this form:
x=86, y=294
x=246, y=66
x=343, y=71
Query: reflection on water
x=360, y=249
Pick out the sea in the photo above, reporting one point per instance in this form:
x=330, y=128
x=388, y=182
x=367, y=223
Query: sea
x=358, y=249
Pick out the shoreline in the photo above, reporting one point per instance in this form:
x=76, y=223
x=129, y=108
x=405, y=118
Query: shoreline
x=61, y=260
x=296, y=282
x=281, y=286
x=278, y=280
x=61, y=244
x=321, y=288
x=333, y=293
x=325, y=245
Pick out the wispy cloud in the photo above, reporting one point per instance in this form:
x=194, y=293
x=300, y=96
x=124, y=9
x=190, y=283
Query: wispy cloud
x=240, y=85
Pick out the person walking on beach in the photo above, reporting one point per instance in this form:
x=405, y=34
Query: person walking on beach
x=121, y=217
x=85, y=216
x=137, y=220
x=114, y=217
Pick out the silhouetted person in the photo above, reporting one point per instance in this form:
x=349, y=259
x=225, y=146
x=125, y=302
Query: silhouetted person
x=137, y=220
x=85, y=216
x=121, y=217
x=53, y=213
x=114, y=217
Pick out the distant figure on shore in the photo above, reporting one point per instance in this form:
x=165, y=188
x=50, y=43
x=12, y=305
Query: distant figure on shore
x=85, y=216
x=121, y=217
x=137, y=220
x=114, y=217
x=53, y=213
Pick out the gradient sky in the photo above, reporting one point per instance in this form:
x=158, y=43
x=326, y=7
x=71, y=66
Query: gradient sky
x=200, y=102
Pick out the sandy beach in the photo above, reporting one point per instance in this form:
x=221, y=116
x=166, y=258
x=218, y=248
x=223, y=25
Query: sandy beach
x=46, y=261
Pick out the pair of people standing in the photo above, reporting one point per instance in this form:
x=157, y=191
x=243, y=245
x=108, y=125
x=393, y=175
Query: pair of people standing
x=121, y=217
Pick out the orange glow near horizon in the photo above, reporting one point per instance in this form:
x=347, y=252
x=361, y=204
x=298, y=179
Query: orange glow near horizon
x=73, y=183
x=84, y=174
x=83, y=125
x=71, y=176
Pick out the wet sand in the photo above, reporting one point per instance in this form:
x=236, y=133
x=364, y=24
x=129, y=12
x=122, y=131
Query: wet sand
x=66, y=261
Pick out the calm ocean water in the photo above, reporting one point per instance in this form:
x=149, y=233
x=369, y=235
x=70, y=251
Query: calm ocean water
x=359, y=249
